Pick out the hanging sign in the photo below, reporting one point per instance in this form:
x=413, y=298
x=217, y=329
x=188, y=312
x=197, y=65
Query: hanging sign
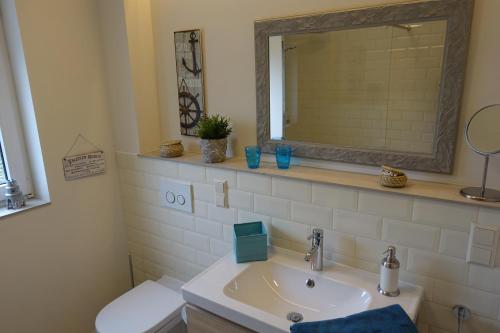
x=83, y=165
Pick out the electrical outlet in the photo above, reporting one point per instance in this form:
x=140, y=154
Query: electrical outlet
x=176, y=195
x=483, y=243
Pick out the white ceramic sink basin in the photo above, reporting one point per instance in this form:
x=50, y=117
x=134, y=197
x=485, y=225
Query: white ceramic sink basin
x=279, y=290
x=260, y=295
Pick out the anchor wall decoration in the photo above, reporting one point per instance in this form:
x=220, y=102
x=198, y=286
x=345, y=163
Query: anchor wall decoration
x=189, y=61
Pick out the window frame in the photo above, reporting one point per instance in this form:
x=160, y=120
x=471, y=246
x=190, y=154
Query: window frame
x=11, y=132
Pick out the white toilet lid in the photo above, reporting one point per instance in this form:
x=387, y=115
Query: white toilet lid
x=144, y=309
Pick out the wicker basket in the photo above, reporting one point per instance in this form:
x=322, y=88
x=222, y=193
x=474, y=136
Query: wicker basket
x=393, y=181
x=172, y=148
x=391, y=177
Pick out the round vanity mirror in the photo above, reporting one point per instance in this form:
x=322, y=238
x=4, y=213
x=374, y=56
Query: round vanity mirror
x=482, y=133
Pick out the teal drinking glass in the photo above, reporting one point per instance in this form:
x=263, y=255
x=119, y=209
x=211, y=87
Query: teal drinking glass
x=253, y=156
x=283, y=155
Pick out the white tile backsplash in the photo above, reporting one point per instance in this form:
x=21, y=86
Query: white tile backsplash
x=180, y=220
x=481, y=303
x=295, y=232
x=435, y=265
x=410, y=234
x=357, y=224
x=172, y=233
x=192, y=173
x=254, y=183
x=208, y=228
x=271, y=206
x=205, y=259
x=454, y=243
x=311, y=214
x=444, y=214
x=219, y=248
x=481, y=277
x=224, y=215
x=339, y=242
x=204, y=192
x=200, y=208
x=431, y=236
x=197, y=241
x=383, y=204
x=291, y=189
x=240, y=199
x=246, y=216
x=334, y=196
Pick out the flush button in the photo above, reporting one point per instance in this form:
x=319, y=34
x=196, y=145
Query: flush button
x=181, y=200
x=176, y=195
x=170, y=197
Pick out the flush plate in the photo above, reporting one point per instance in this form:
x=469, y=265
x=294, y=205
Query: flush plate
x=176, y=195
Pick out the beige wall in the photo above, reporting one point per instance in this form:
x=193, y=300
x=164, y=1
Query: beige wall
x=61, y=263
x=230, y=68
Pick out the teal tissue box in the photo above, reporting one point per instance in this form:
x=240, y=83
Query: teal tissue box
x=250, y=242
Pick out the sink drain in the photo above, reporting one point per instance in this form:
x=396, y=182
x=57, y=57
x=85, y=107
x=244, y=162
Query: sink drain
x=295, y=317
x=310, y=283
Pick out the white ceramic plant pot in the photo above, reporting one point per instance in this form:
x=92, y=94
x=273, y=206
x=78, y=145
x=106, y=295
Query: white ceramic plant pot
x=213, y=151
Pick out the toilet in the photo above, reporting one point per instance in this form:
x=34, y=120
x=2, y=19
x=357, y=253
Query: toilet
x=151, y=307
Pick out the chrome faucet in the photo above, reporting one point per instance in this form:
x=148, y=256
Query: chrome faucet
x=315, y=254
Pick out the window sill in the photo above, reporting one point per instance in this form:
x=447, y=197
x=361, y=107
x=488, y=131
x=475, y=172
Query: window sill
x=30, y=204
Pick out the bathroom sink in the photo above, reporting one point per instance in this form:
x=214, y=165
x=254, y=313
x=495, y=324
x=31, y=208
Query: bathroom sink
x=268, y=296
x=280, y=290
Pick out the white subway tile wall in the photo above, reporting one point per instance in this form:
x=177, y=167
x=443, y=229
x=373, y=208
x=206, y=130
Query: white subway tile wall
x=431, y=236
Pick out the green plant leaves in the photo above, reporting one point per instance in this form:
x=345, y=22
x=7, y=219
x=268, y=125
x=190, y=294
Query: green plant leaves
x=214, y=127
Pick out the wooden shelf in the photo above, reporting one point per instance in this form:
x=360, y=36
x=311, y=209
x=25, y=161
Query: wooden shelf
x=415, y=188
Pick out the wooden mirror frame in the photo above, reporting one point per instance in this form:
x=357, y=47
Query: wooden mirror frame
x=457, y=13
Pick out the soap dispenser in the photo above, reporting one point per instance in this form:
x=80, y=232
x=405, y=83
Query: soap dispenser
x=389, y=274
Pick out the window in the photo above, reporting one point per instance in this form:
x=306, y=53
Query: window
x=13, y=158
x=3, y=170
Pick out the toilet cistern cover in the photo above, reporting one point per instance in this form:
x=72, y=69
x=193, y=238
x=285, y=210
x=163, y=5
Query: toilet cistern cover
x=144, y=309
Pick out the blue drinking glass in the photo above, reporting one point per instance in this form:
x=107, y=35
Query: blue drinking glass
x=283, y=155
x=253, y=156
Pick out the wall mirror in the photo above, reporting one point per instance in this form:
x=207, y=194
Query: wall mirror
x=372, y=86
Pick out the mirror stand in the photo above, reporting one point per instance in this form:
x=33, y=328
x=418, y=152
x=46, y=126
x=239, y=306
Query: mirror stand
x=482, y=193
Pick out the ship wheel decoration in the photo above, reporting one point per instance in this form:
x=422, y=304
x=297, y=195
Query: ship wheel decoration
x=189, y=79
x=189, y=108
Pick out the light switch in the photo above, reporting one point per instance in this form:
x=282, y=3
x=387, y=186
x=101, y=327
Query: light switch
x=220, y=193
x=483, y=243
x=220, y=186
x=480, y=256
x=483, y=236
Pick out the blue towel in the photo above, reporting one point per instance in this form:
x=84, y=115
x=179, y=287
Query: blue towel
x=391, y=319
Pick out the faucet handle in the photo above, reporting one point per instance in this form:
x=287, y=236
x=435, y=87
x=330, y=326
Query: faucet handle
x=316, y=233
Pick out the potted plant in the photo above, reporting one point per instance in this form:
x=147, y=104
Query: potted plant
x=213, y=132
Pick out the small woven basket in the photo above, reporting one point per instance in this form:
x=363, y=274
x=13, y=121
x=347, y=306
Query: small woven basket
x=172, y=148
x=393, y=181
x=391, y=177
